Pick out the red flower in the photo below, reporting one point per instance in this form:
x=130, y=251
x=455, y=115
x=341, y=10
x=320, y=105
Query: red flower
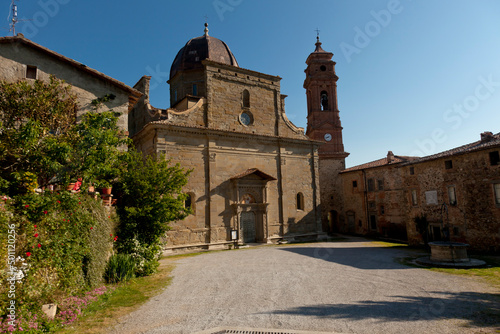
x=35, y=226
x=28, y=254
x=45, y=212
x=79, y=202
x=39, y=245
x=91, y=228
x=36, y=235
x=26, y=206
x=111, y=235
x=59, y=202
x=115, y=238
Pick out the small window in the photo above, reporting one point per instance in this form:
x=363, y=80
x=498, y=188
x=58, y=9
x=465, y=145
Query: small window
x=373, y=222
x=371, y=205
x=355, y=184
x=195, y=90
x=448, y=164
x=452, y=195
x=382, y=210
x=300, y=201
x=380, y=184
x=412, y=170
x=456, y=231
x=371, y=185
x=323, y=68
x=494, y=158
x=31, y=72
x=246, y=99
x=414, y=198
x=496, y=188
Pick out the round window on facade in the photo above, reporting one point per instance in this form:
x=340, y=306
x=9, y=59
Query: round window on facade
x=246, y=118
x=323, y=68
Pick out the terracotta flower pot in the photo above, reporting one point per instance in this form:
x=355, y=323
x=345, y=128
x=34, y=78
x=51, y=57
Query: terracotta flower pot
x=106, y=191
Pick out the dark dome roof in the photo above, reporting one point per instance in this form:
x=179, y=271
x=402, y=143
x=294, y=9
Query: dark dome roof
x=200, y=48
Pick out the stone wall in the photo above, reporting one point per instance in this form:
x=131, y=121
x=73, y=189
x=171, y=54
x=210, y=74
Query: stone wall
x=332, y=202
x=474, y=217
x=375, y=201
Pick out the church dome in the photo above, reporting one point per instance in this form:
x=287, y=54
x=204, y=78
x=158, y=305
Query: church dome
x=201, y=48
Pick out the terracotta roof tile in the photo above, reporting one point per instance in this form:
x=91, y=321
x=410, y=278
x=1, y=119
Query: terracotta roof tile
x=398, y=159
x=493, y=141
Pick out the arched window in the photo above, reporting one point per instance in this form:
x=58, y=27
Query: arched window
x=246, y=99
x=324, y=100
x=189, y=202
x=300, y=201
x=195, y=89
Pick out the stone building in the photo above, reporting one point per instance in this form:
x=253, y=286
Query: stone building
x=374, y=198
x=323, y=124
x=253, y=170
x=458, y=191
x=22, y=59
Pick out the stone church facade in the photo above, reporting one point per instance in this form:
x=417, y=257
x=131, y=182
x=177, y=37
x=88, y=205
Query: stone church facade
x=253, y=171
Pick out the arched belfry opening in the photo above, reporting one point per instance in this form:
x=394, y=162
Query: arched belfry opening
x=324, y=101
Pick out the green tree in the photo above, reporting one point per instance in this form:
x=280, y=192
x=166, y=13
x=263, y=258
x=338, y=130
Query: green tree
x=34, y=123
x=97, y=146
x=151, y=196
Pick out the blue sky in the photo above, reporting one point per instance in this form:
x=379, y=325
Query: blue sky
x=416, y=76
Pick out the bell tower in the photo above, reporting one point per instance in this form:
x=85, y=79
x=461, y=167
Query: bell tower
x=323, y=124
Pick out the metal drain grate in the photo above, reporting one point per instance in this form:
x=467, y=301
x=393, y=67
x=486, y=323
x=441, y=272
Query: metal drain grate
x=256, y=331
x=237, y=331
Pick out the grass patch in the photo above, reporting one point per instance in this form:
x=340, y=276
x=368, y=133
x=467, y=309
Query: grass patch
x=388, y=244
x=125, y=299
x=489, y=273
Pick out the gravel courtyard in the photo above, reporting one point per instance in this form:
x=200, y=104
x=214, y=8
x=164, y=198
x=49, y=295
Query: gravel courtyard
x=353, y=286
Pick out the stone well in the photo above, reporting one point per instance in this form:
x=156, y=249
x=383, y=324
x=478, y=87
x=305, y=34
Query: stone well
x=443, y=251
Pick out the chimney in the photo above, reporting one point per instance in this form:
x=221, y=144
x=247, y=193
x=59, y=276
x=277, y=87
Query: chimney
x=486, y=136
x=390, y=157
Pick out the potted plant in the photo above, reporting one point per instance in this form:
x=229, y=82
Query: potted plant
x=105, y=187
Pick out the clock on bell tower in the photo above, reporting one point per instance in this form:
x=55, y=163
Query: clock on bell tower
x=323, y=124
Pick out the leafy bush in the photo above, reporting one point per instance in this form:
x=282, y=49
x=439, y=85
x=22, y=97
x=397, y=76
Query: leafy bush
x=61, y=240
x=120, y=268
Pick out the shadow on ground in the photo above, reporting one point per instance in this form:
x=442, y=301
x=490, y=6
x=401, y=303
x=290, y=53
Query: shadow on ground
x=364, y=257
x=479, y=309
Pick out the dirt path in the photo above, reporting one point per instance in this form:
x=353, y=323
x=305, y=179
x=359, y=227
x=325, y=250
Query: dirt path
x=344, y=287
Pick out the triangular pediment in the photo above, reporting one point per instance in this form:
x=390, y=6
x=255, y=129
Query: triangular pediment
x=254, y=173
